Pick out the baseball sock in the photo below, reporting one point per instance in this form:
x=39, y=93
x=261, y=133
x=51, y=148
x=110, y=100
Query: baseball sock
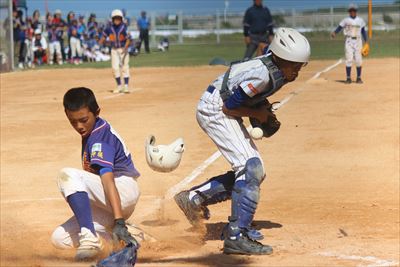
x=80, y=205
x=348, y=72
x=358, y=72
x=126, y=80
x=118, y=80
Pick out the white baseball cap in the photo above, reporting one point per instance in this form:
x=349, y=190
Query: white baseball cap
x=58, y=11
x=352, y=6
x=290, y=45
x=38, y=31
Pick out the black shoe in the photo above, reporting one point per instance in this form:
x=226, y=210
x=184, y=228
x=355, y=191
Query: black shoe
x=359, y=81
x=348, y=81
x=245, y=246
x=194, y=213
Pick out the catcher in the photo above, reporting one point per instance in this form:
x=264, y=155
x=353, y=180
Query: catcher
x=353, y=28
x=242, y=92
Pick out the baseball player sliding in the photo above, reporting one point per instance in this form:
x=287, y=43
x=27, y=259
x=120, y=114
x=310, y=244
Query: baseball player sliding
x=105, y=192
x=242, y=92
x=353, y=28
x=120, y=39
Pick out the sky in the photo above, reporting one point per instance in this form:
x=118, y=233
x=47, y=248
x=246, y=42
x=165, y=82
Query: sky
x=103, y=7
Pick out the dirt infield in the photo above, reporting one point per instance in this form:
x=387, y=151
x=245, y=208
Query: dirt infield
x=332, y=191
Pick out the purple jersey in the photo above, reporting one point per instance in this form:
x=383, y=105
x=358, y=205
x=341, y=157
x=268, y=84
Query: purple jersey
x=117, y=35
x=104, y=148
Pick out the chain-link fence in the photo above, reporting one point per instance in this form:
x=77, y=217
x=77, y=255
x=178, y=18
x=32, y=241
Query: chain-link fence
x=6, y=31
x=218, y=26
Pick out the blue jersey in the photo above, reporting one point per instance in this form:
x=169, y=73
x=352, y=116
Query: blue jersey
x=117, y=35
x=143, y=23
x=104, y=148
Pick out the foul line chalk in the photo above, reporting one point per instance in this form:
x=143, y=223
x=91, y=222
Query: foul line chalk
x=200, y=169
x=372, y=261
x=121, y=94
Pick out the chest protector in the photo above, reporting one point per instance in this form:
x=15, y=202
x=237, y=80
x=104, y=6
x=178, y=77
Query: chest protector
x=276, y=82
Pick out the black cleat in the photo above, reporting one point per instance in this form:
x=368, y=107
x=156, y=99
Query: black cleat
x=348, y=81
x=193, y=212
x=245, y=246
x=359, y=81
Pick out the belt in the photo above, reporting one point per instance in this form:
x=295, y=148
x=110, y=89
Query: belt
x=210, y=89
x=353, y=38
x=258, y=33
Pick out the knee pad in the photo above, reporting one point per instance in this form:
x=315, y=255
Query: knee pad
x=69, y=182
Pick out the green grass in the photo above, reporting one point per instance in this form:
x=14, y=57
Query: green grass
x=199, y=51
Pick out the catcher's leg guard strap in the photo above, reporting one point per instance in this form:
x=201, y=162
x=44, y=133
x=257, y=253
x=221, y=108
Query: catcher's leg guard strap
x=217, y=189
x=245, y=196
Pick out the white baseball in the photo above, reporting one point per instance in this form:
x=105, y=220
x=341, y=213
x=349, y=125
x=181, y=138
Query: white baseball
x=256, y=133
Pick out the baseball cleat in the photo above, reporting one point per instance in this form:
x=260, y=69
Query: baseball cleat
x=348, y=81
x=117, y=90
x=243, y=245
x=194, y=213
x=359, y=81
x=89, y=246
x=126, y=90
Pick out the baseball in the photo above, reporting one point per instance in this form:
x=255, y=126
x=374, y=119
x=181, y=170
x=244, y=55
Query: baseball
x=256, y=133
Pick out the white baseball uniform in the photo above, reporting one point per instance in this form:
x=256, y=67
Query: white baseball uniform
x=227, y=132
x=353, y=44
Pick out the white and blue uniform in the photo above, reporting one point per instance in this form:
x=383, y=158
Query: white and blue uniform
x=102, y=149
x=353, y=30
x=229, y=133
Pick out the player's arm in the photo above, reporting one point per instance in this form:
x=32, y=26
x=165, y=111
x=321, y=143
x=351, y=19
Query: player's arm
x=233, y=107
x=338, y=29
x=364, y=34
x=111, y=192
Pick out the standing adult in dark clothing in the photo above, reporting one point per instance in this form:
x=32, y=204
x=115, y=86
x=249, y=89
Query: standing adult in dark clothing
x=257, y=28
x=143, y=24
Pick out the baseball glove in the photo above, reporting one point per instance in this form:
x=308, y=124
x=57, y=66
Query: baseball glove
x=365, y=50
x=125, y=257
x=271, y=126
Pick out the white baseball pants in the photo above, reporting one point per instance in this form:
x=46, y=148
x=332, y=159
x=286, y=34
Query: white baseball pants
x=73, y=180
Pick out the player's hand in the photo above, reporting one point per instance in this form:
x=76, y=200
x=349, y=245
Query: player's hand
x=247, y=40
x=264, y=112
x=120, y=232
x=333, y=35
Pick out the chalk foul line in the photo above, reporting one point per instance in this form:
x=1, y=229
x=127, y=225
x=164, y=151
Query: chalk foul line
x=371, y=261
x=200, y=169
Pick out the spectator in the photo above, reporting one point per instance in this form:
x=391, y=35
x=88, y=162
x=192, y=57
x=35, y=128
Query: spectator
x=257, y=29
x=143, y=25
x=49, y=20
x=19, y=28
x=35, y=22
x=92, y=24
x=61, y=25
x=127, y=20
x=39, y=46
x=75, y=43
x=54, y=44
x=81, y=26
x=29, y=57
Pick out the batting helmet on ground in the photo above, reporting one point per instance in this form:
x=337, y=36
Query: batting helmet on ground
x=164, y=158
x=290, y=45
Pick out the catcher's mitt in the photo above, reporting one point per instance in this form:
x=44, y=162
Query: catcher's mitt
x=125, y=257
x=365, y=50
x=271, y=126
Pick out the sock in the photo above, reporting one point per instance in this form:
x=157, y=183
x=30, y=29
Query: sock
x=126, y=81
x=118, y=80
x=358, y=72
x=348, y=72
x=80, y=205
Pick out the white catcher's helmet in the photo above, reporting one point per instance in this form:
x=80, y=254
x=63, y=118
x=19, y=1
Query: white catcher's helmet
x=290, y=45
x=117, y=13
x=164, y=158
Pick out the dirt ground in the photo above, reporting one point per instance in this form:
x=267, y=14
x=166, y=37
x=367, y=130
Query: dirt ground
x=331, y=197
